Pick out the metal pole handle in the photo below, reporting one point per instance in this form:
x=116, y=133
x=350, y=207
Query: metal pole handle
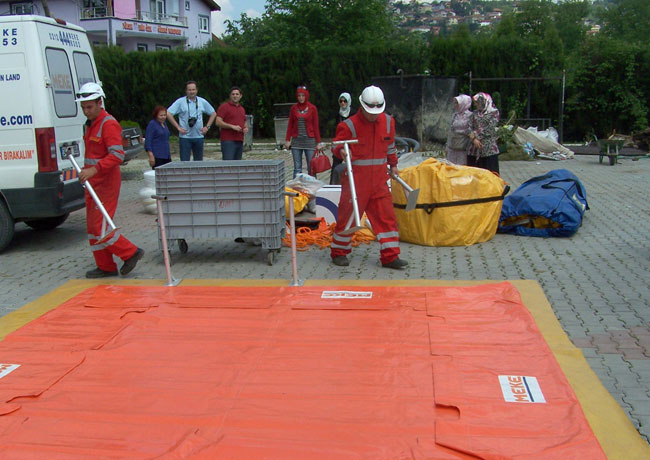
x=90, y=189
x=403, y=183
x=163, y=235
x=292, y=230
x=353, y=190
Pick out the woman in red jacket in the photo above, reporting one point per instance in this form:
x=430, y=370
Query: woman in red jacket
x=303, y=134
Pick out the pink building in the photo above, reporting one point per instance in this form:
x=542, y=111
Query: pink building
x=143, y=25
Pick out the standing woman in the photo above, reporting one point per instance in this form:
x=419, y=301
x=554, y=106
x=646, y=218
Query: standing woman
x=345, y=104
x=156, y=138
x=458, y=139
x=484, y=152
x=303, y=134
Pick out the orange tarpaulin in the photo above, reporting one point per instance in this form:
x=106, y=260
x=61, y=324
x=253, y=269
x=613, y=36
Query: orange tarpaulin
x=288, y=373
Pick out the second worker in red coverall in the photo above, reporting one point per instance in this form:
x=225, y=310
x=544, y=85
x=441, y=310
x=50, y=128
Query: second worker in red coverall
x=375, y=131
x=103, y=157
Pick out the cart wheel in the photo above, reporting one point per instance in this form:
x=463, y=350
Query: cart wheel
x=182, y=246
x=600, y=158
x=612, y=160
x=270, y=256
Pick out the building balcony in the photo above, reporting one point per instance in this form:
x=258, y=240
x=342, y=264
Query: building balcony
x=145, y=16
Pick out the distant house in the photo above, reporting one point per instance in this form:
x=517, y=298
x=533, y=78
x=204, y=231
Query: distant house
x=132, y=24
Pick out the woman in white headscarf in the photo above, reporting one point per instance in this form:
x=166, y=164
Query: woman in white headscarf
x=345, y=106
x=458, y=140
x=484, y=152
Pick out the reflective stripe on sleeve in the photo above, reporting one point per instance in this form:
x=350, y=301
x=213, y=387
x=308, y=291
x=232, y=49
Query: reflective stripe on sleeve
x=369, y=162
x=350, y=125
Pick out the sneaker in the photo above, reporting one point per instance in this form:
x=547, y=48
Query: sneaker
x=397, y=264
x=99, y=273
x=341, y=261
x=130, y=263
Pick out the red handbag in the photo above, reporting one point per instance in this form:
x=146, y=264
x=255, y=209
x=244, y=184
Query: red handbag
x=320, y=162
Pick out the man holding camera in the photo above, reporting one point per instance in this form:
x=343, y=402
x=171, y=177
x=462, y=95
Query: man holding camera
x=190, y=110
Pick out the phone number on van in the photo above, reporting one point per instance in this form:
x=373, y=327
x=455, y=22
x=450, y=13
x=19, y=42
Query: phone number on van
x=16, y=120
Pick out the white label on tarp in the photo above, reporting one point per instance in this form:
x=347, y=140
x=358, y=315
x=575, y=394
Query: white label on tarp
x=346, y=295
x=522, y=389
x=7, y=369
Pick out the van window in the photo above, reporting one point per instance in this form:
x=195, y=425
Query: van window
x=61, y=78
x=84, y=66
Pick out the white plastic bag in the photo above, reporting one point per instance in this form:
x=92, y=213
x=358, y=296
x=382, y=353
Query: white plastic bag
x=306, y=184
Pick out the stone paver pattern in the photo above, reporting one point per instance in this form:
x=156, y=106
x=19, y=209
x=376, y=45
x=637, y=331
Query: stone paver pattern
x=598, y=281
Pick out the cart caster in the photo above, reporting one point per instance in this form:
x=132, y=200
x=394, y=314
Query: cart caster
x=600, y=159
x=270, y=257
x=182, y=246
x=612, y=160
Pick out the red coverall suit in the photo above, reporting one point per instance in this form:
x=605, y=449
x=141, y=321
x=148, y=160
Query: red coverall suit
x=376, y=147
x=103, y=140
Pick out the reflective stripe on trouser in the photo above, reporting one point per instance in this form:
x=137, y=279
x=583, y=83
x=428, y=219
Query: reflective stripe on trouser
x=378, y=206
x=117, y=245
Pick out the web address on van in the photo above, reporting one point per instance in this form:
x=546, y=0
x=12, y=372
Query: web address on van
x=16, y=120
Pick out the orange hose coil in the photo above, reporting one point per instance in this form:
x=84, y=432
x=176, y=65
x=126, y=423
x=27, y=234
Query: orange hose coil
x=322, y=236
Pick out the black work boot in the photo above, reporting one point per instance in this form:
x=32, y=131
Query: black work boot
x=99, y=273
x=397, y=264
x=130, y=263
x=341, y=261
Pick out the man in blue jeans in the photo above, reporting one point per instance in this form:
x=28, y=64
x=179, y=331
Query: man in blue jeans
x=190, y=110
x=231, y=119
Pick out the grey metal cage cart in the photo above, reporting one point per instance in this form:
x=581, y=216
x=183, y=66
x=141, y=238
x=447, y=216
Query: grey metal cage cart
x=223, y=199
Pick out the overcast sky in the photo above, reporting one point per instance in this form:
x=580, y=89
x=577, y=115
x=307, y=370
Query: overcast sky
x=232, y=9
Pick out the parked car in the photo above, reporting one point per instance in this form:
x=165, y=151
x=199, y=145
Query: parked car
x=132, y=142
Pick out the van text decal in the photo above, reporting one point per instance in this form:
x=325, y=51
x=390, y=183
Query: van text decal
x=9, y=76
x=16, y=120
x=16, y=155
x=66, y=38
x=9, y=37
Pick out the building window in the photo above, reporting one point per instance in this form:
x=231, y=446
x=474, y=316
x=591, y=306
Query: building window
x=163, y=47
x=204, y=24
x=143, y=47
x=95, y=9
x=187, y=5
x=22, y=8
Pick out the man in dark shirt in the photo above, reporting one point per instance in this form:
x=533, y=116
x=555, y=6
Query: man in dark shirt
x=231, y=119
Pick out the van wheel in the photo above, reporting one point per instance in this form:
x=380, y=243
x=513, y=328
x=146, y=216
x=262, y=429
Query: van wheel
x=47, y=223
x=6, y=226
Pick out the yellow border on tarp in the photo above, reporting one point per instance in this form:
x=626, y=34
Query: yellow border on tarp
x=615, y=432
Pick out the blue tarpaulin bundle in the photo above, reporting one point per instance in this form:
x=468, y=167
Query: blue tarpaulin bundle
x=548, y=205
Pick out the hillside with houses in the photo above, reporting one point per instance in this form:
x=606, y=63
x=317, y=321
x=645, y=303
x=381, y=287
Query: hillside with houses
x=439, y=18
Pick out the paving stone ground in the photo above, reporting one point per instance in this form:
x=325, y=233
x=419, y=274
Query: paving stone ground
x=597, y=281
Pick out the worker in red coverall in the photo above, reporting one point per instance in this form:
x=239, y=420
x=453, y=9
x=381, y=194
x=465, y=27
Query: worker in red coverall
x=104, y=155
x=375, y=131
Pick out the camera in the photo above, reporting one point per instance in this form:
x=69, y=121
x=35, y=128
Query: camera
x=191, y=121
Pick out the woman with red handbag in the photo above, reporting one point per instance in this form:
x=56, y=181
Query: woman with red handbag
x=303, y=133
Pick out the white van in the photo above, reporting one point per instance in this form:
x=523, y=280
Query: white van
x=43, y=63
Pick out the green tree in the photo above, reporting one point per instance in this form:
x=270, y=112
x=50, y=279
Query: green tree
x=627, y=20
x=289, y=23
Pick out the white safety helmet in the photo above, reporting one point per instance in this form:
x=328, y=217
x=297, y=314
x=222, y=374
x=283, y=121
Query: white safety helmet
x=372, y=100
x=89, y=92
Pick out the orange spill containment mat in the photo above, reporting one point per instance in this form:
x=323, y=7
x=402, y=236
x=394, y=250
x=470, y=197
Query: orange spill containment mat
x=288, y=373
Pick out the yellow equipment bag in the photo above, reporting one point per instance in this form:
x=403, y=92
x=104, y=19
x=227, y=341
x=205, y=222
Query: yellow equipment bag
x=299, y=202
x=457, y=205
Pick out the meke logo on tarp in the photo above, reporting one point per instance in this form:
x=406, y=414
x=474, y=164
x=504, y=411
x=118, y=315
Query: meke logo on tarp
x=522, y=389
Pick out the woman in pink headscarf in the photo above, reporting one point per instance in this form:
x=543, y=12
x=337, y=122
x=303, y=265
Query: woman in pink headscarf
x=303, y=133
x=484, y=152
x=458, y=139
